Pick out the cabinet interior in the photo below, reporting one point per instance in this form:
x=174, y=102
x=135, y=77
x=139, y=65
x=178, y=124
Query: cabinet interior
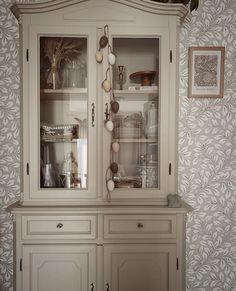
x=136, y=124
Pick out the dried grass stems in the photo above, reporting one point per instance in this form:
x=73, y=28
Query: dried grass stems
x=59, y=49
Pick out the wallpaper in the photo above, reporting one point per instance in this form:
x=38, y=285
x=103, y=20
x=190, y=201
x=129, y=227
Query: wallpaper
x=207, y=150
x=207, y=154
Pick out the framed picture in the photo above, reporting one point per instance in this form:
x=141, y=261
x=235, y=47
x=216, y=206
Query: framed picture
x=206, y=72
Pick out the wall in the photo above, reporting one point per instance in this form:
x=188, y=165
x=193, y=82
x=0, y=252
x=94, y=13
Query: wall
x=207, y=154
x=9, y=137
x=207, y=151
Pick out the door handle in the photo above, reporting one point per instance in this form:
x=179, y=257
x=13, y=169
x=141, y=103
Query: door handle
x=93, y=114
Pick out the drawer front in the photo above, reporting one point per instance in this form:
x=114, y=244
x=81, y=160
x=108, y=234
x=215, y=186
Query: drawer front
x=139, y=226
x=59, y=227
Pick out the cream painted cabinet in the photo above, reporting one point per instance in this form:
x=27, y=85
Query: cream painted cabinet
x=53, y=267
x=140, y=267
x=99, y=84
x=99, y=101
x=99, y=248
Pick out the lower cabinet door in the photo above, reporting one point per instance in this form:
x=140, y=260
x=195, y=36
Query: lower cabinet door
x=59, y=268
x=140, y=267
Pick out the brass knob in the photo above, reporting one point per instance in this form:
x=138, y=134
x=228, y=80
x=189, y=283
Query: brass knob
x=59, y=225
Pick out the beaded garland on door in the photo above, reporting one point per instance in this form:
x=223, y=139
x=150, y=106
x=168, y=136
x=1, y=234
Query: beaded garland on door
x=114, y=105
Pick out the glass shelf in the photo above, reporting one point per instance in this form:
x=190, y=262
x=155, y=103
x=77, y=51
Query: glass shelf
x=136, y=140
x=138, y=91
x=64, y=94
x=66, y=91
x=60, y=140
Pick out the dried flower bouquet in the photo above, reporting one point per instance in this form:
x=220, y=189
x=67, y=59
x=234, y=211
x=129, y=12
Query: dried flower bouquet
x=58, y=49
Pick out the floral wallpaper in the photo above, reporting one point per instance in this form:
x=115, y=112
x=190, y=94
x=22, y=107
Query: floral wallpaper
x=9, y=137
x=207, y=150
x=207, y=154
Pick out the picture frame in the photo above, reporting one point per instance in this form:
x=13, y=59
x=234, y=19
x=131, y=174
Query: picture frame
x=206, y=72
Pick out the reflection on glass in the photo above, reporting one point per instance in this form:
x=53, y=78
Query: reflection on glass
x=63, y=112
x=136, y=125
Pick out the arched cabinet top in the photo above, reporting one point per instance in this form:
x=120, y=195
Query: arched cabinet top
x=157, y=8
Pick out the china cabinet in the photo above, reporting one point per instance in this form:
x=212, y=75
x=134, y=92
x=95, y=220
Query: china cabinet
x=99, y=128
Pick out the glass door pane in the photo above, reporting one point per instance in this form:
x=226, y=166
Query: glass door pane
x=63, y=112
x=136, y=125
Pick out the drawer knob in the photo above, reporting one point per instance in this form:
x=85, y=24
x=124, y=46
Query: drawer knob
x=59, y=225
x=140, y=225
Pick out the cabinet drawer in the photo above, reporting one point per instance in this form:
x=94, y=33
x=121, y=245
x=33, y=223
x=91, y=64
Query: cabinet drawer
x=59, y=227
x=139, y=226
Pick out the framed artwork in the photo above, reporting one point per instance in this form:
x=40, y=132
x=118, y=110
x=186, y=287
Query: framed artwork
x=206, y=72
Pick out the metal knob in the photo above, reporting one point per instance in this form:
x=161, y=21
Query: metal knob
x=140, y=225
x=59, y=225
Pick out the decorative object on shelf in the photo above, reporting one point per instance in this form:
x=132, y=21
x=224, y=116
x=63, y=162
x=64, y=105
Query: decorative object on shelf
x=57, y=49
x=193, y=3
x=48, y=179
x=103, y=40
x=128, y=125
x=109, y=125
x=174, y=200
x=127, y=181
x=69, y=177
x=102, y=44
x=99, y=56
x=70, y=164
x=74, y=73
x=115, y=106
x=115, y=146
x=55, y=132
x=106, y=84
x=49, y=176
x=151, y=119
x=121, y=75
x=114, y=167
x=146, y=78
x=206, y=72
x=110, y=185
x=111, y=56
x=149, y=175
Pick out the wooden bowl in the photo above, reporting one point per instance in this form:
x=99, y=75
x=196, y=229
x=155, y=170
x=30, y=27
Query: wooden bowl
x=144, y=77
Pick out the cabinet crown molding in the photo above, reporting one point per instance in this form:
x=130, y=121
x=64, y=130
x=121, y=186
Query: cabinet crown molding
x=178, y=10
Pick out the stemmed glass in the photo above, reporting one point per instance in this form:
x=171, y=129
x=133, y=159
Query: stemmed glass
x=121, y=75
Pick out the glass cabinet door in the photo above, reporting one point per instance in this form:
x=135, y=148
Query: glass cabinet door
x=139, y=140
x=136, y=125
x=63, y=131
x=63, y=112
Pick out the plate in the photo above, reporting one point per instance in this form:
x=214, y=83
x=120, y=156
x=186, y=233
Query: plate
x=144, y=77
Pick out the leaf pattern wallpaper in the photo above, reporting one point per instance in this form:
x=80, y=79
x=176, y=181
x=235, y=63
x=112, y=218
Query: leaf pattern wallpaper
x=207, y=149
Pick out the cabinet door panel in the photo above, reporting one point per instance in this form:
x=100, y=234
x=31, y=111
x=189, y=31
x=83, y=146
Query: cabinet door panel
x=138, y=268
x=141, y=125
x=62, y=97
x=58, y=268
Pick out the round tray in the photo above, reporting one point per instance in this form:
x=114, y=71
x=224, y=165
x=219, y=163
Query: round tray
x=144, y=77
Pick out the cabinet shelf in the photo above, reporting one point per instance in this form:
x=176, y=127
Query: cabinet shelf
x=65, y=91
x=136, y=140
x=132, y=95
x=137, y=92
x=61, y=140
x=64, y=94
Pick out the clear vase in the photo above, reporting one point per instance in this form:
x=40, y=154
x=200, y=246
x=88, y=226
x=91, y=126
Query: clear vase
x=53, y=79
